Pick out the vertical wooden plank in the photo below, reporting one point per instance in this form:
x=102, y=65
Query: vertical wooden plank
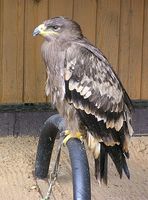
x=144, y=80
x=131, y=46
x=124, y=47
x=61, y=8
x=1, y=44
x=34, y=72
x=108, y=18
x=85, y=15
x=135, y=50
x=12, y=50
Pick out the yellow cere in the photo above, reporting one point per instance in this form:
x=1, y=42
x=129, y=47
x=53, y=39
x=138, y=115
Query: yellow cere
x=44, y=32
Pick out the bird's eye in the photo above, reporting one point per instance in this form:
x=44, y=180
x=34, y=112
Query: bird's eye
x=55, y=28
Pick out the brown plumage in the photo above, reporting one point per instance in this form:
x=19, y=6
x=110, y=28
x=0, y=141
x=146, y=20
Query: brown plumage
x=87, y=93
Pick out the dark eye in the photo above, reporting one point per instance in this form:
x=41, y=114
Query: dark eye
x=55, y=28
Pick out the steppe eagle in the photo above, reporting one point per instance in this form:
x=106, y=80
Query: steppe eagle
x=86, y=91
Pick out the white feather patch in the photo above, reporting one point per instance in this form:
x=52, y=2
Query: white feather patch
x=79, y=88
x=119, y=123
x=92, y=142
x=67, y=75
x=99, y=118
x=81, y=106
x=131, y=131
x=85, y=90
x=110, y=124
x=73, y=84
x=96, y=152
x=69, y=69
x=87, y=110
x=76, y=105
x=87, y=94
x=93, y=145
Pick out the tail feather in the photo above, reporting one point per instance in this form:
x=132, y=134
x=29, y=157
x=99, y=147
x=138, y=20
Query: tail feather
x=101, y=165
x=126, y=170
x=118, y=159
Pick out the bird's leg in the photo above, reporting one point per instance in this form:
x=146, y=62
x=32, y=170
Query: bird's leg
x=69, y=134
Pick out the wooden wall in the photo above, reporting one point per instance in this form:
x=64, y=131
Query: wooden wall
x=118, y=27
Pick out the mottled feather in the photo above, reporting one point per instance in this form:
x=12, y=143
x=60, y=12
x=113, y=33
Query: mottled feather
x=87, y=93
x=102, y=88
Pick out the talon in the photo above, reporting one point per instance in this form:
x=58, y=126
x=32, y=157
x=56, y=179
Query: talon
x=69, y=134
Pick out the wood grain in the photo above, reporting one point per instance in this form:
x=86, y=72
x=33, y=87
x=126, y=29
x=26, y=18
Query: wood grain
x=124, y=46
x=108, y=18
x=135, y=49
x=85, y=15
x=1, y=48
x=12, y=51
x=118, y=27
x=61, y=8
x=34, y=72
x=144, y=78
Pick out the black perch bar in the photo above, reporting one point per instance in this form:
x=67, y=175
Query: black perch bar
x=79, y=162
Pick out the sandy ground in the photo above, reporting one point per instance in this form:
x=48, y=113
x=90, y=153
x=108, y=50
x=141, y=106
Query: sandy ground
x=17, y=157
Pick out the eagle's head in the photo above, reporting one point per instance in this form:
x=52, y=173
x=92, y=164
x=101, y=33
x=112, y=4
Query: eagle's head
x=59, y=28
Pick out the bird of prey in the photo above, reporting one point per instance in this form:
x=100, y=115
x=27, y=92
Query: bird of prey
x=86, y=91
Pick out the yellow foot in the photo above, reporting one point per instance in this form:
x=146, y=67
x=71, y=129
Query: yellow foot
x=69, y=134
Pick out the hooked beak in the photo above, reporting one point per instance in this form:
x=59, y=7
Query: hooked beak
x=36, y=31
x=39, y=30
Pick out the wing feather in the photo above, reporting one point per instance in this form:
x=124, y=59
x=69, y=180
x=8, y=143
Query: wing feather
x=92, y=77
